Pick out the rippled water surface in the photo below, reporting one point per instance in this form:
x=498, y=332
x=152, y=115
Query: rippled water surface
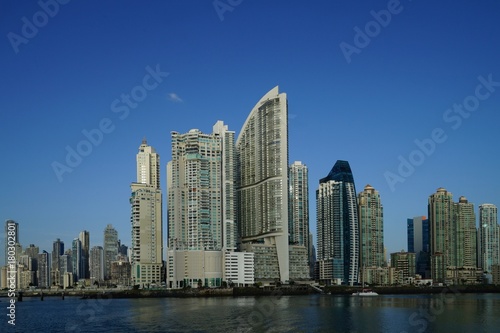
x=314, y=313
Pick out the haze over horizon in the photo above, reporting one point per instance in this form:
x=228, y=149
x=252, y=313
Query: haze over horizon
x=407, y=93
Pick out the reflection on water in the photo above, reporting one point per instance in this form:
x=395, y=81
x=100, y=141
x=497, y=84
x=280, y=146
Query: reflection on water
x=315, y=313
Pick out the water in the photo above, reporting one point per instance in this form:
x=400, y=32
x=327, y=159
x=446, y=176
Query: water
x=313, y=313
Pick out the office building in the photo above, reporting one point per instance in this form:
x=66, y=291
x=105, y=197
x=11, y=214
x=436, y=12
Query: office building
x=338, y=226
x=146, y=219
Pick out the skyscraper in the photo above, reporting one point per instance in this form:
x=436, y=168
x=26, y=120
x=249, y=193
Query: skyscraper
x=441, y=214
x=465, y=234
x=57, y=252
x=110, y=249
x=43, y=273
x=77, y=262
x=96, y=264
x=146, y=219
x=338, y=226
x=298, y=226
x=201, y=197
x=418, y=235
x=371, y=232
x=262, y=191
x=148, y=165
x=85, y=243
x=489, y=237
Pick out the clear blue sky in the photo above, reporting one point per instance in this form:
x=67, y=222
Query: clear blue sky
x=70, y=74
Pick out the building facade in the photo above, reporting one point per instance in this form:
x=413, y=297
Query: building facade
x=96, y=265
x=418, y=235
x=338, y=226
x=465, y=234
x=371, y=229
x=262, y=188
x=146, y=220
x=442, y=242
x=298, y=226
x=110, y=249
x=488, y=237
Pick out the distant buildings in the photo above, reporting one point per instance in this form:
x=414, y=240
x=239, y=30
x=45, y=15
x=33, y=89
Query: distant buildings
x=338, y=226
x=110, y=249
x=404, y=264
x=146, y=219
x=488, y=237
x=84, y=238
x=453, y=236
x=418, y=236
x=96, y=264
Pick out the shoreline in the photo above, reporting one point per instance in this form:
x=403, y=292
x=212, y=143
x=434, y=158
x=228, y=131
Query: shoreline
x=248, y=291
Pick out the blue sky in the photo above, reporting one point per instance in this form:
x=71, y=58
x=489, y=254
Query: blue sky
x=70, y=74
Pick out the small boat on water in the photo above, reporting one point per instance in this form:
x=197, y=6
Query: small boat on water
x=365, y=292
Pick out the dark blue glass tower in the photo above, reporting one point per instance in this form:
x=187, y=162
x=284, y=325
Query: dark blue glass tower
x=346, y=242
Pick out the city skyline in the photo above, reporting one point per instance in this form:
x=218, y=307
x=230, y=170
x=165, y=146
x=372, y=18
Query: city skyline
x=407, y=106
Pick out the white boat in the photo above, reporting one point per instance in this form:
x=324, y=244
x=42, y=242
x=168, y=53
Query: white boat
x=365, y=292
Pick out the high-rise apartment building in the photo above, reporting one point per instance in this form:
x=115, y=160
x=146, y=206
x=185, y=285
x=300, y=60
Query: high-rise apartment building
x=488, y=237
x=77, y=260
x=262, y=191
x=84, y=237
x=371, y=229
x=96, y=264
x=55, y=271
x=110, y=249
x=442, y=242
x=453, y=237
x=338, y=226
x=298, y=225
x=201, y=201
x=148, y=165
x=146, y=219
x=465, y=234
x=418, y=236
x=43, y=272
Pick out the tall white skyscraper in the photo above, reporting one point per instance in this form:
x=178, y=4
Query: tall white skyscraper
x=489, y=237
x=201, y=205
x=262, y=191
x=148, y=165
x=146, y=219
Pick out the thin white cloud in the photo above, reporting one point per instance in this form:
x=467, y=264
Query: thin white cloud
x=174, y=97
